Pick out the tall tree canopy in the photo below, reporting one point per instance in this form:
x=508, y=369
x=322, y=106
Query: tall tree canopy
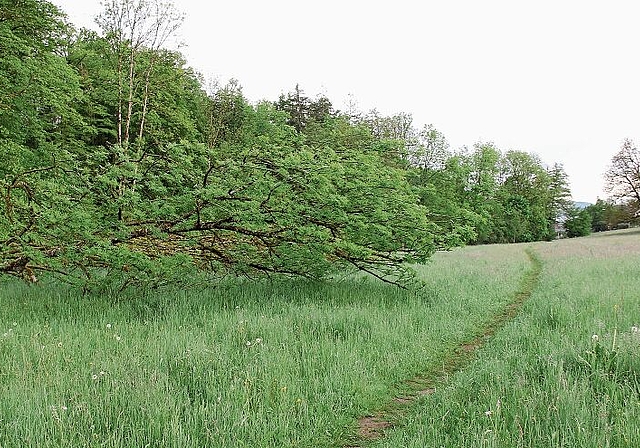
x=118, y=166
x=116, y=163
x=38, y=91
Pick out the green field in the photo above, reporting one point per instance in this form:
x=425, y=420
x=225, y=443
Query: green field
x=290, y=363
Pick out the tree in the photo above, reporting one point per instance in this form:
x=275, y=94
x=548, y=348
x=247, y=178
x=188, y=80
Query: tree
x=429, y=149
x=302, y=110
x=578, y=222
x=118, y=167
x=262, y=200
x=445, y=195
x=623, y=175
x=482, y=189
x=559, y=192
x=37, y=123
x=598, y=212
x=133, y=28
x=525, y=200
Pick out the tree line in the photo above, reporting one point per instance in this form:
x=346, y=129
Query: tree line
x=119, y=164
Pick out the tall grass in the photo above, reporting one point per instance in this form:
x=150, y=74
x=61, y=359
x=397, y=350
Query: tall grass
x=293, y=363
x=564, y=373
x=272, y=364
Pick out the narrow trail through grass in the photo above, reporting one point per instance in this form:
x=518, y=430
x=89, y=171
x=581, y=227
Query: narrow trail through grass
x=372, y=427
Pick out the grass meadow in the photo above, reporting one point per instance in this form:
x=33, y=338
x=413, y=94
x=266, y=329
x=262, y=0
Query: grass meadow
x=294, y=364
x=564, y=373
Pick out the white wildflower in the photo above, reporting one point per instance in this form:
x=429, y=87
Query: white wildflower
x=108, y=326
x=595, y=338
x=635, y=329
x=488, y=413
x=94, y=377
x=258, y=340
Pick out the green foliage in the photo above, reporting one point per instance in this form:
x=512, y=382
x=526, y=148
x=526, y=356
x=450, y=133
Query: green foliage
x=156, y=176
x=496, y=197
x=38, y=176
x=606, y=215
x=303, y=111
x=119, y=169
x=578, y=223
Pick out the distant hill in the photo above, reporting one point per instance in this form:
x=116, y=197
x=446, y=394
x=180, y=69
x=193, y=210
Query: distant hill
x=582, y=205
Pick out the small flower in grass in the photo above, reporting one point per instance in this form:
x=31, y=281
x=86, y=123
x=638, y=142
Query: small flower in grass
x=258, y=340
x=248, y=343
x=595, y=338
x=63, y=407
x=59, y=344
x=635, y=329
x=488, y=413
x=108, y=326
x=94, y=377
x=117, y=337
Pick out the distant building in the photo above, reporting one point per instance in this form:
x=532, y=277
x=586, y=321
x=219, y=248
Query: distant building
x=559, y=229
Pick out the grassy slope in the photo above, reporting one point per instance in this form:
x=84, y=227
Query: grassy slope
x=286, y=364
x=545, y=380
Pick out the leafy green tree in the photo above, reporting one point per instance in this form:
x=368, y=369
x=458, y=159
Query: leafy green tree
x=118, y=167
x=428, y=150
x=438, y=178
x=525, y=195
x=134, y=28
x=304, y=111
x=37, y=122
x=266, y=202
x=597, y=212
x=482, y=189
x=578, y=223
x=558, y=193
x=445, y=198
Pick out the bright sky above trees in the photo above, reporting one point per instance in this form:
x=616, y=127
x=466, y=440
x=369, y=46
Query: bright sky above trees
x=555, y=78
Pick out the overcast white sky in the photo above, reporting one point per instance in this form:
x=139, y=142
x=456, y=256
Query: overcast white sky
x=560, y=78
